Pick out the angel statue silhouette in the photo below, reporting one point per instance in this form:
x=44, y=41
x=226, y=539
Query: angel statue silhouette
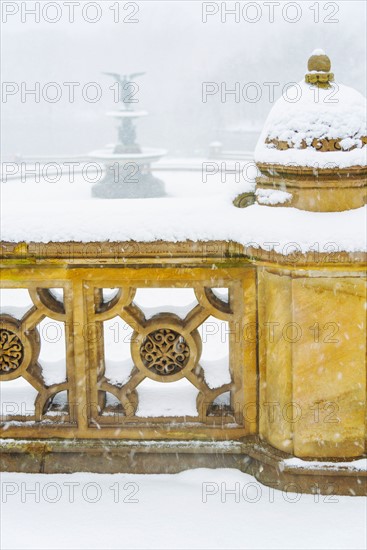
x=127, y=87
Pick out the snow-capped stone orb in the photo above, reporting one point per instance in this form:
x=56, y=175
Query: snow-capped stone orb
x=314, y=143
x=319, y=66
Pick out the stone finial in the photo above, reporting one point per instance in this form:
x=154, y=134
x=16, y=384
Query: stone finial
x=319, y=65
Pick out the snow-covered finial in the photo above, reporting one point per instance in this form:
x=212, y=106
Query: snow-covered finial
x=319, y=66
x=318, y=51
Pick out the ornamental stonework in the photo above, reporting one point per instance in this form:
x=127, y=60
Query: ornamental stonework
x=165, y=352
x=11, y=351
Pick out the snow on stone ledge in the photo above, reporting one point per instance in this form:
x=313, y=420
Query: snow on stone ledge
x=272, y=196
x=311, y=158
x=358, y=465
x=63, y=211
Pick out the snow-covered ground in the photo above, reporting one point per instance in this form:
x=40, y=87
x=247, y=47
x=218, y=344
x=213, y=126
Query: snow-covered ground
x=198, y=206
x=193, y=509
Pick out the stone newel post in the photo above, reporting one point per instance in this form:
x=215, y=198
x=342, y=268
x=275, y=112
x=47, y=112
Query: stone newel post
x=312, y=307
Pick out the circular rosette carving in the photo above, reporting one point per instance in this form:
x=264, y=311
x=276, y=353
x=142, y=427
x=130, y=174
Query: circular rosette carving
x=11, y=351
x=164, y=350
x=18, y=349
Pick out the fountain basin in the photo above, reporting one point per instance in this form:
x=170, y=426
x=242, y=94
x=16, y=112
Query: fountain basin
x=128, y=175
x=146, y=156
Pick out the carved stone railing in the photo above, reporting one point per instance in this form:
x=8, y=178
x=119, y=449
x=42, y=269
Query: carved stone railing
x=296, y=337
x=165, y=348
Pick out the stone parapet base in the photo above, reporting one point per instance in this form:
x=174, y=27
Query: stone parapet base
x=250, y=455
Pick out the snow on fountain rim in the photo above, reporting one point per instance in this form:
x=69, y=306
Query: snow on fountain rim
x=146, y=154
x=336, y=113
x=192, y=210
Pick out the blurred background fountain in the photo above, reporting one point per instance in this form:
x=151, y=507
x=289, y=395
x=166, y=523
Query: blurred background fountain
x=127, y=165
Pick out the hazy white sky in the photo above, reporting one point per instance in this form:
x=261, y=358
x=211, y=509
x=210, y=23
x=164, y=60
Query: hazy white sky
x=270, y=42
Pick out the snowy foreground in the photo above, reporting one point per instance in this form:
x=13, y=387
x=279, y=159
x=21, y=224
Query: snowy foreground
x=193, y=509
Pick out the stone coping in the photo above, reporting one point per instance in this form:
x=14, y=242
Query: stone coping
x=163, y=252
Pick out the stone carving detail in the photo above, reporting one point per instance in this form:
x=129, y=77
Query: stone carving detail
x=322, y=145
x=11, y=351
x=319, y=66
x=244, y=199
x=165, y=351
x=20, y=345
x=320, y=79
x=165, y=348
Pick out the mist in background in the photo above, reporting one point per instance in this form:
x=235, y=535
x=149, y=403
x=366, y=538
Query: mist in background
x=179, y=52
